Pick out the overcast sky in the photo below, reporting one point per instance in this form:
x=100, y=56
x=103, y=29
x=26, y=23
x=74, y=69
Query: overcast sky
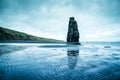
x=98, y=20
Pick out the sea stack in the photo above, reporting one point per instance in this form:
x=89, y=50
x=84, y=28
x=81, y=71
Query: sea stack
x=73, y=32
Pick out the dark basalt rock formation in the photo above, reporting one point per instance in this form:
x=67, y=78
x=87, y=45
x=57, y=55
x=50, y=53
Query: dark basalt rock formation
x=73, y=33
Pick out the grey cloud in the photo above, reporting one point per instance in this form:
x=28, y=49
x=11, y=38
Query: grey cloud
x=103, y=7
x=99, y=7
x=43, y=14
x=25, y=5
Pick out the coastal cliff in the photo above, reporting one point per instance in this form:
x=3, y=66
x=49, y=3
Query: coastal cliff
x=8, y=35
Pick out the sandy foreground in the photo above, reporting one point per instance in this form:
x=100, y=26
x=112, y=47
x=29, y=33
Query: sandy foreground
x=29, y=61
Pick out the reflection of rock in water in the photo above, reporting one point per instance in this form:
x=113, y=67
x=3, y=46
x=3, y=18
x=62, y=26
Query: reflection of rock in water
x=107, y=46
x=72, y=58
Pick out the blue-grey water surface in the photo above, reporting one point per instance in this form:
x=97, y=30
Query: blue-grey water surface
x=35, y=61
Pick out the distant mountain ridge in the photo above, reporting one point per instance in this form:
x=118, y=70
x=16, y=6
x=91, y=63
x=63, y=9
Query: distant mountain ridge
x=8, y=34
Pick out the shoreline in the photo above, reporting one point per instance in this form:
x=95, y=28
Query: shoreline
x=28, y=41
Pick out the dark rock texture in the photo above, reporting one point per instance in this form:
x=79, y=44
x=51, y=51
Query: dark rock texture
x=73, y=33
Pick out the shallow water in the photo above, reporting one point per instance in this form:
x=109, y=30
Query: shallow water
x=33, y=61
